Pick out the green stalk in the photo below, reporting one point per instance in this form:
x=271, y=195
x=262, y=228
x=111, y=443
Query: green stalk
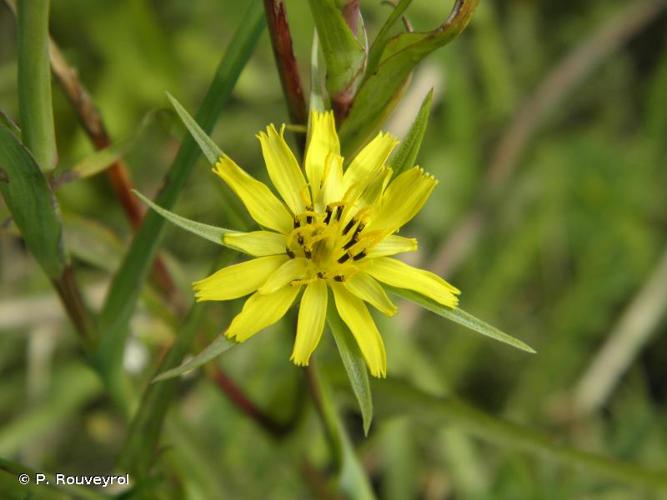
x=127, y=282
x=34, y=82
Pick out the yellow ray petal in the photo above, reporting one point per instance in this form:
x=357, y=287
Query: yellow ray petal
x=284, y=170
x=391, y=245
x=260, y=311
x=401, y=275
x=235, y=281
x=404, y=197
x=332, y=181
x=356, y=316
x=323, y=141
x=256, y=243
x=292, y=269
x=261, y=203
x=367, y=289
x=367, y=164
x=312, y=313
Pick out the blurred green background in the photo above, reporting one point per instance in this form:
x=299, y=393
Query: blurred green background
x=548, y=135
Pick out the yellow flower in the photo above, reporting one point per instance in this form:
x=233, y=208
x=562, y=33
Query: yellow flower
x=333, y=229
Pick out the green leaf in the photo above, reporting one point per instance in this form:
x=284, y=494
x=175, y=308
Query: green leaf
x=352, y=476
x=127, y=282
x=139, y=450
x=206, y=231
x=354, y=364
x=380, y=90
x=206, y=144
x=31, y=203
x=406, y=155
x=399, y=398
x=343, y=53
x=380, y=42
x=34, y=81
x=93, y=164
x=213, y=350
x=462, y=318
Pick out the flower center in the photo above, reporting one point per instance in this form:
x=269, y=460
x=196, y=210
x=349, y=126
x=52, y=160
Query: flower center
x=334, y=242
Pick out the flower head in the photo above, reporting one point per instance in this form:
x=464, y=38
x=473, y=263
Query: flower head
x=332, y=228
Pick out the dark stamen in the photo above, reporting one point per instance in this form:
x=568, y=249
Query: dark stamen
x=308, y=254
x=320, y=275
x=339, y=212
x=344, y=258
x=309, y=219
x=339, y=278
x=289, y=253
x=351, y=242
x=328, y=216
x=299, y=239
x=360, y=255
x=349, y=226
x=296, y=223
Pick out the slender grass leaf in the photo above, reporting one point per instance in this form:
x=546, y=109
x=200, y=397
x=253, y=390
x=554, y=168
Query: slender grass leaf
x=379, y=92
x=462, y=318
x=400, y=397
x=352, y=476
x=92, y=243
x=380, y=42
x=126, y=285
x=343, y=53
x=206, y=231
x=92, y=165
x=213, y=350
x=406, y=155
x=34, y=81
x=354, y=364
x=139, y=450
x=31, y=203
x=206, y=144
x=73, y=386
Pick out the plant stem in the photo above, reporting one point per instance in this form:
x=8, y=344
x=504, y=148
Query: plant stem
x=283, y=52
x=72, y=299
x=34, y=82
x=236, y=396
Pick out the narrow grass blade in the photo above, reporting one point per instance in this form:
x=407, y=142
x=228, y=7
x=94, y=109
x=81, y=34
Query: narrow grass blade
x=353, y=481
x=206, y=231
x=214, y=349
x=127, y=282
x=31, y=203
x=210, y=149
x=92, y=165
x=343, y=53
x=140, y=447
x=398, y=397
x=462, y=318
x=380, y=90
x=34, y=81
x=406, y=154
x=355, y=366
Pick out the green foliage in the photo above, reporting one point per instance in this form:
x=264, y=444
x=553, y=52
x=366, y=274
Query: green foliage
x=342, y=51
x=562, y=249
x=31, y=204
x=34, y=81
x=354, y=364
